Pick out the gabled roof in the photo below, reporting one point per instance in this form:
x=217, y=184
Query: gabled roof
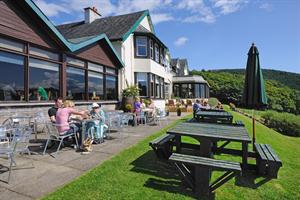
x=115, y=27
x=174, y=62
x=75, y=45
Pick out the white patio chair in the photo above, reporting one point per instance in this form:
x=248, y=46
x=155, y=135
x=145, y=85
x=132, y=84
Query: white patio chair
x=125, y=118
x=54, y=135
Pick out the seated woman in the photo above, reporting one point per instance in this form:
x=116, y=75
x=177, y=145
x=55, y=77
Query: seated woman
x=62, y=120
x=205, y=105
x=143, y=105
x=153, y=108
x=137, y=107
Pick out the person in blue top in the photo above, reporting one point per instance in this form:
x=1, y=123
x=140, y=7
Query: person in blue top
x=197, y=106
x=98, y=125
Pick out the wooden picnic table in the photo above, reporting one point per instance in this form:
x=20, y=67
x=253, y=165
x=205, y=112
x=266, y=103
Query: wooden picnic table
x=214, y=116
x=207, y=134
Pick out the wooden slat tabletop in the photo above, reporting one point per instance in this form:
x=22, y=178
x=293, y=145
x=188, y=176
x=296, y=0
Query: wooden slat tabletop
x=209, y=130
x=213, y=114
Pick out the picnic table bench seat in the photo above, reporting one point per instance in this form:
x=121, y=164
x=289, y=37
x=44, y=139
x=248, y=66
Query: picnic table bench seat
x=267, y=161
x=193, y=170
x=163, y=146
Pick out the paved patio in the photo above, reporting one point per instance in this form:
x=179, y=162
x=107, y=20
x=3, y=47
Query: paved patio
x=36, y=175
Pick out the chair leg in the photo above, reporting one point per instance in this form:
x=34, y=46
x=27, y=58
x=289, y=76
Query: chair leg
x=76, y=140
x=61, y=141
x=10, y=166
x=46, y=146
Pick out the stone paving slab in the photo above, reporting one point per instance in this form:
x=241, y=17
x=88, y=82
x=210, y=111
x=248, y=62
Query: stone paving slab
x=36, y=175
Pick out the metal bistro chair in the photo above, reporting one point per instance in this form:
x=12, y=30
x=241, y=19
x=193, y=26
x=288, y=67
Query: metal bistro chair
x=9, y=149
x=142, y=117
x=160, y=116
x=22, y=135
x=54, y=135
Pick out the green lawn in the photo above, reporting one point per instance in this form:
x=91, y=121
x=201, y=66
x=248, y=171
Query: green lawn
x=136, y=174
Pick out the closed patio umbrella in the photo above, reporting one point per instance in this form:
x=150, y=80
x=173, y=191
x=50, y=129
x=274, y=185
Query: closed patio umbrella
x=254, y=95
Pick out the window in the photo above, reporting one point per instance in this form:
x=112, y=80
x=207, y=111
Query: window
x=141, y=46
x=157, y=87
x=151, y=49
x=75, y=84
x=202, y=90
x=43, y=53
x=110, y=71
x=176, y=90
x=197, y=91
x=161, y=88
x=95, y=83
x=152, y=85
x=167, y=88
x=111, y=88
x=12, y=45
x=74, y=61
x=156, y=53
x=11, y=77
x=142, y=83
x=162, y=56
x=95, y=67
x=43, y=80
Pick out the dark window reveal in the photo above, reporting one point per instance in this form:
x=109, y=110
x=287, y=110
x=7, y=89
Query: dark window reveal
x=75, y=84
x=43, y=80
x=11, y=77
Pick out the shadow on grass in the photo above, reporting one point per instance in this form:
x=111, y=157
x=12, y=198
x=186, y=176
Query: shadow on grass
x=249, y=180
x=165, y=176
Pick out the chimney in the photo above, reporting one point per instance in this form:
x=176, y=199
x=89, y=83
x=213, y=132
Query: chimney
x=90, y=14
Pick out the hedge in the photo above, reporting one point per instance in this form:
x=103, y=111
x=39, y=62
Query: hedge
x=285, y=123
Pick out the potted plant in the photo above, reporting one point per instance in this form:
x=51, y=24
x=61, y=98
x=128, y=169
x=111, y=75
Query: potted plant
x=178, y=109
x=129, y=94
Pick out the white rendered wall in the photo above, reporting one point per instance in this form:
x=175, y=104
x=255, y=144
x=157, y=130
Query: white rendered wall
x=160, y=103
x=145, y=23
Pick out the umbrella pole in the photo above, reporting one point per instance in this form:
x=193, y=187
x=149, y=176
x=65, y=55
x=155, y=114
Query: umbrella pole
x=253, y=128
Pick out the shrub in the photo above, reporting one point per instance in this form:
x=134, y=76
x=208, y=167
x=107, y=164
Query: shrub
x=285, y=123
x=147, y=102
x=131, y=91
x=232, y=106
x=213, y=101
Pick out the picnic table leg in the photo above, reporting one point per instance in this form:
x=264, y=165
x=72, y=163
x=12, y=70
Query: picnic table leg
x=205, y=147
x=245, y=155
x=202, y=180
x=178, y=143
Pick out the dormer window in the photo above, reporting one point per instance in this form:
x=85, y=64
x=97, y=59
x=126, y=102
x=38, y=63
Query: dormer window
x=141, y=46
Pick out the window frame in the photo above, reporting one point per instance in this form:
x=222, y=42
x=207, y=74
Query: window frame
x=137, y=45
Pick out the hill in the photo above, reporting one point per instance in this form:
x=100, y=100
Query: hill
x=281, y=87
x=291, y=80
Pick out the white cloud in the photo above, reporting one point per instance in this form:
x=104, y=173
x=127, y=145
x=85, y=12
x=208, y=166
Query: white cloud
x=266, y=6
x=229, y=6
x=51, y=9
x=181, y=41
x=161, y=17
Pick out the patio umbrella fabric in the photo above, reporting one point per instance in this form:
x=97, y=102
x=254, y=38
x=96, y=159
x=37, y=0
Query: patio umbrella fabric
x=254, y=95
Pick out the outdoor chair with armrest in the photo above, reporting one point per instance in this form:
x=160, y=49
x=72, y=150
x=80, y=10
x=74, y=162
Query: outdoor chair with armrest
x=9, y=149
x=141, y=117
x=160, y=116
x=53, y=134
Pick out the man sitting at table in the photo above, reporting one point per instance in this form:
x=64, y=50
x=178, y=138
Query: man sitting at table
x=52, y=111
x=196, y=107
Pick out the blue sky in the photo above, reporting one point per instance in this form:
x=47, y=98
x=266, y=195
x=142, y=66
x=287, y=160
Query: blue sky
x=211, y=34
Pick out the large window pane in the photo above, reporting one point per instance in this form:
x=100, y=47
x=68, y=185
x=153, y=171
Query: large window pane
x=142, y=82
x=43, y=53
x=95, y=86
x=111, y=87
x=141, y=46
x=75, y=84
x=43, y=80
x=156, y=53
x=202, y=91
x=197, y=91
x=11, y=77
x=9, y=44
x=157, y=91
x=176, y=91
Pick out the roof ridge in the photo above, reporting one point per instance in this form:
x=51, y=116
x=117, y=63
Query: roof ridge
x=107, y=17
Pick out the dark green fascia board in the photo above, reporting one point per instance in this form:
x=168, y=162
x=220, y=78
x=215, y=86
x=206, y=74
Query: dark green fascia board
x=71, y=46
x=135, y=25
